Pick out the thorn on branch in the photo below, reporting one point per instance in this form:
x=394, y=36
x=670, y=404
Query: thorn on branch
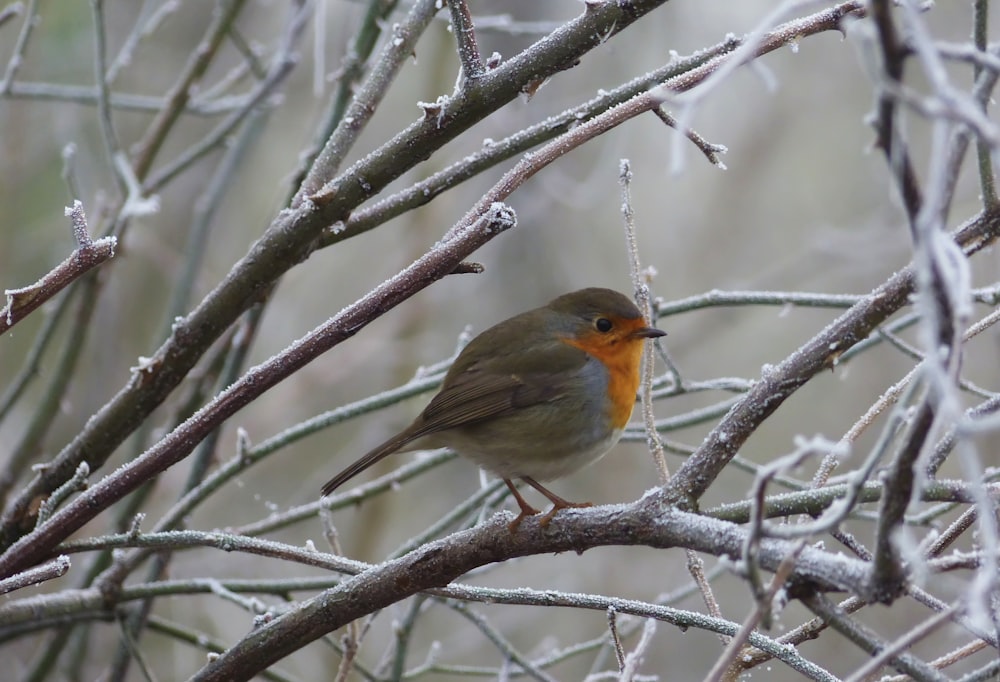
x=468, y=268
x=324, y=196
x=145, y=368
x=135, y=526
x=533, y=86
x=435, y=110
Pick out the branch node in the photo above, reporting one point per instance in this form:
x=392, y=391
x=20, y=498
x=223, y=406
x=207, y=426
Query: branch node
x=468, y=268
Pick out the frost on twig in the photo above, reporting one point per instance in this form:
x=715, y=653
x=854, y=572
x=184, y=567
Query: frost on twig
x=88, y=254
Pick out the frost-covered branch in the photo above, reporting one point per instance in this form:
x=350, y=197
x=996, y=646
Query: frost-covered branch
x=89, y=253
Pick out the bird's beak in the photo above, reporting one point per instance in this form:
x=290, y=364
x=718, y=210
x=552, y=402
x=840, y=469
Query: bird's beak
x=647, y=333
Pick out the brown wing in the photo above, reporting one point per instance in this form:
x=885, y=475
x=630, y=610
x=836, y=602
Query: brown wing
x=469, y=397
x=493, y=376
x=477, y=395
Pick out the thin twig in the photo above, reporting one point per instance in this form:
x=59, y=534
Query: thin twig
x=88, y=255
x=630, y=669
x=109, y=135
x=728, y=660
x=284, y=61
x=88, y=95
x=898, y=159
x=12, y=10
x=984, y=151
x=867, y=640
x=900, y=644
x=711, y=151
x=177, y=97
x=352, y=67
x=640, y=287
x=145, y=25
x=616, y=642
x=47, y=571
x=465, y=35
x=17, y=57
x=59, y=495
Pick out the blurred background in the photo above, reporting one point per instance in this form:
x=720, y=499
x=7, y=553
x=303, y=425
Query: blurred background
x=804, y=204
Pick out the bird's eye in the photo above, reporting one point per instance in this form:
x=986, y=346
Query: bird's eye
x=603, y=324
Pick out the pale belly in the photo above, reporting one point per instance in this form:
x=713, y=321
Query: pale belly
x=518, y=457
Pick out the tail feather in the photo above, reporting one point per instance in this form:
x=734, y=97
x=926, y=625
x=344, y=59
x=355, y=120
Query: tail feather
x=378, y=453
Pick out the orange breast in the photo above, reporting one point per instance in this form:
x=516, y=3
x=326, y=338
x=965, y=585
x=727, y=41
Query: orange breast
x=621, y=355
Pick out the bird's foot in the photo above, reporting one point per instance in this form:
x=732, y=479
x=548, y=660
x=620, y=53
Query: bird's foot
x=544, y=521
x=526, y=509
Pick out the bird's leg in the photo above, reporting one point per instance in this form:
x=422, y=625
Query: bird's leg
x=557, y=502
x=526, y=509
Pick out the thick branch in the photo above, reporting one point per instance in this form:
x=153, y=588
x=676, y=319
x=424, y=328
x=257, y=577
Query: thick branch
x=437, y=563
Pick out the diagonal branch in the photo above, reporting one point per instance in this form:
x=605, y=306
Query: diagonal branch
x=437, y=263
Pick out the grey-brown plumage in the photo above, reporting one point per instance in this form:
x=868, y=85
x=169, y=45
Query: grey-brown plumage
x=504, y=403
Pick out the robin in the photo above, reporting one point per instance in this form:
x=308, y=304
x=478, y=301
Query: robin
x=535, y=397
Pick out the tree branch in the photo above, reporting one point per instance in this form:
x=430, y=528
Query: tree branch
x=437, y=563
x=87, y=255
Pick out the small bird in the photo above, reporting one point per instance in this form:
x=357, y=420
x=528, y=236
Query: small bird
x=535, y=397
